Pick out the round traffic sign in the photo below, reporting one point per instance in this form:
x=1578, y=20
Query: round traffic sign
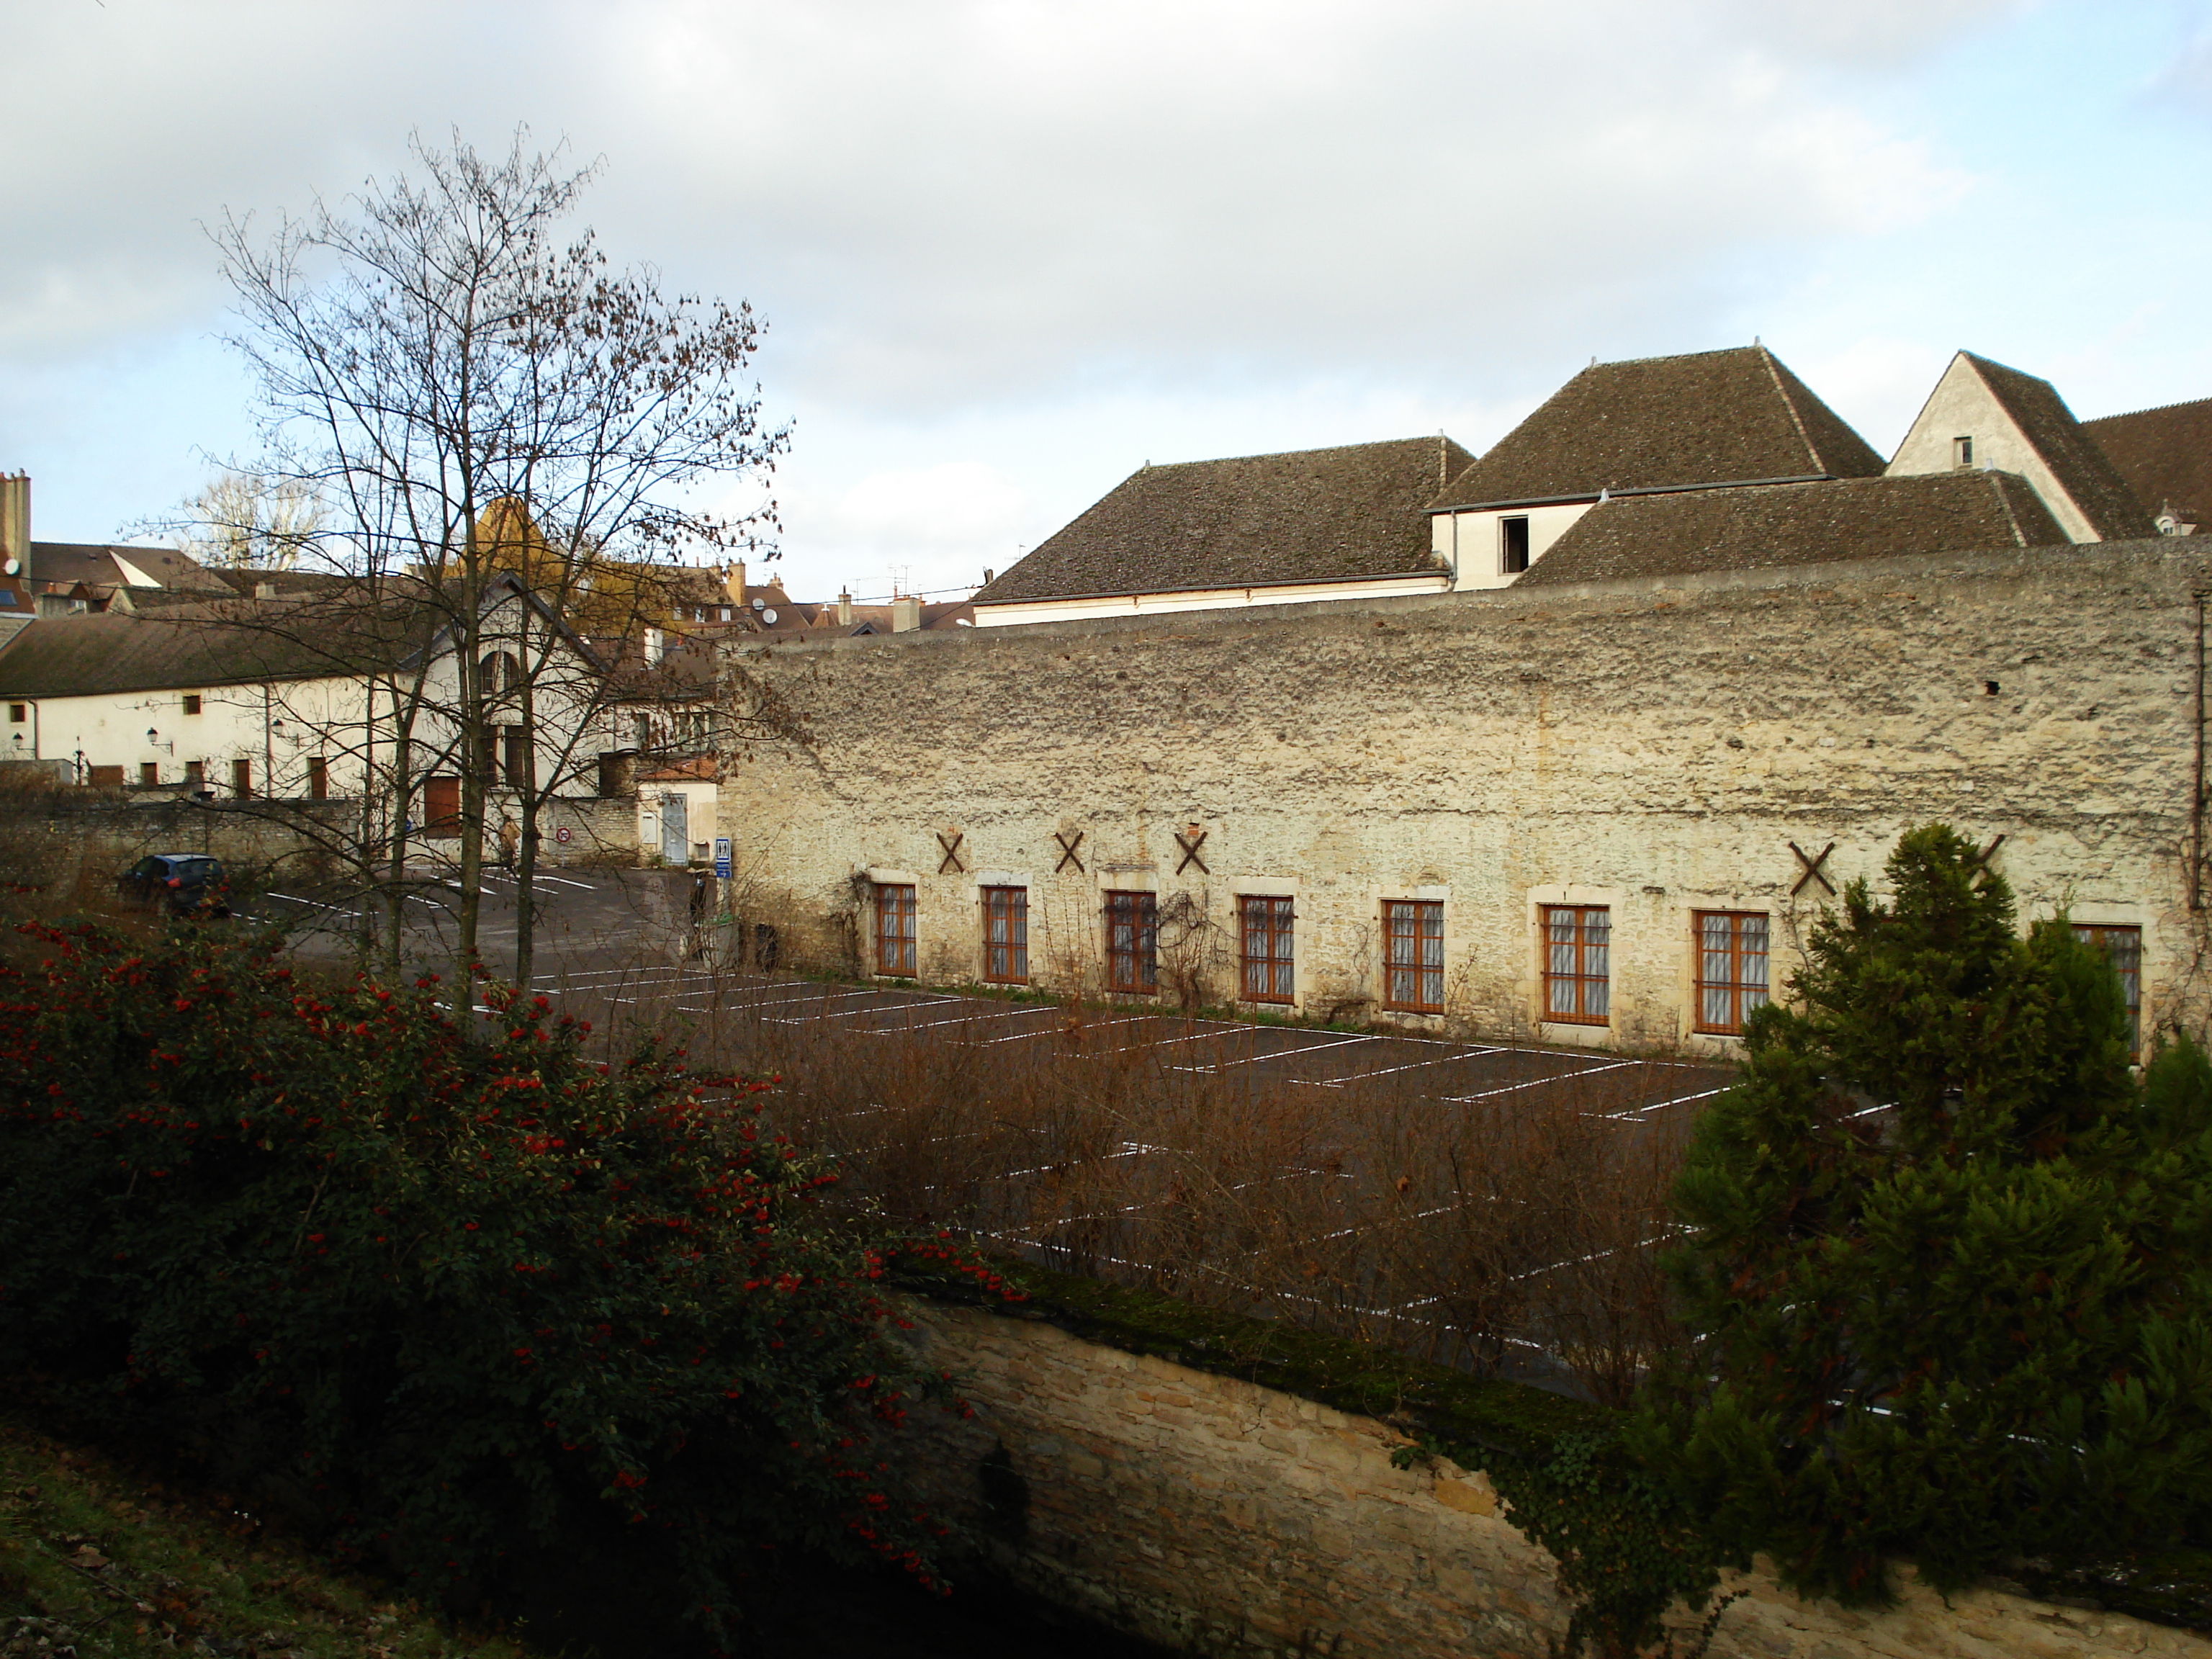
x=562, y=833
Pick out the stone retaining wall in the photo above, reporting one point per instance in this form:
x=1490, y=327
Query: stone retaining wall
x=1222, y=1517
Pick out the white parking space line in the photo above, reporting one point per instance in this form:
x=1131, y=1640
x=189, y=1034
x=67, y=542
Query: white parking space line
x=1047, y=1030
x=1276, y=1054
x=291, y=898
x=966, y=1020
x=854, y=1013
x=1660, y=1105
x=1392, y=1071
x=1538, y=1082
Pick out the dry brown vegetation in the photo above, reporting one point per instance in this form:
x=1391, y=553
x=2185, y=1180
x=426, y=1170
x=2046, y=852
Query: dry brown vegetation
x=1488, y=1232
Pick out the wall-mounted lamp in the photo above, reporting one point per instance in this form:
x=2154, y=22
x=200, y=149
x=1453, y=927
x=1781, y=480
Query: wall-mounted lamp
x=153, y=741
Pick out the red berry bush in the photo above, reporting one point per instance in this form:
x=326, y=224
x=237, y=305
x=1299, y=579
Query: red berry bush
x=463, y=1303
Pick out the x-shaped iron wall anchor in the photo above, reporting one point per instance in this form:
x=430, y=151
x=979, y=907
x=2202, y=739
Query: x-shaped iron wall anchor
x=952, y=859
x=1190, y=844
x=1067, y=852
x=1812, y=869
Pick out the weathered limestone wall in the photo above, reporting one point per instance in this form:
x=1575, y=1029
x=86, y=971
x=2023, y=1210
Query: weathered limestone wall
x=1653, y=746
x=91, y=840
x=1219, y=1516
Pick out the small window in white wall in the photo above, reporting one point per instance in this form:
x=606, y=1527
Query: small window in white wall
x=1513, y=545
x=1962, y=452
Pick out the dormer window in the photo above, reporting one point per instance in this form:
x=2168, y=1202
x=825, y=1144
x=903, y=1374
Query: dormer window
x=1513, y=545
x=1962, y=452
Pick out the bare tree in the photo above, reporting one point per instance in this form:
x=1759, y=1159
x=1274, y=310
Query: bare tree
x=248, y=521
x=481, y=400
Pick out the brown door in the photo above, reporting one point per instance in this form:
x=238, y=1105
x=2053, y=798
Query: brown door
x=242, y=779
x=442, y=806
x=318, y=778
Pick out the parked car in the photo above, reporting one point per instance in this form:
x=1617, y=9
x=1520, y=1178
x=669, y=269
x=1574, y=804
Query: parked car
x=186, y=883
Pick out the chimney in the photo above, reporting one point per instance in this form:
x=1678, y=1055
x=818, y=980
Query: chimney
x=987, y=574
x=734, y=583
x=16, y=525
x=906, y=615
x=844, y=608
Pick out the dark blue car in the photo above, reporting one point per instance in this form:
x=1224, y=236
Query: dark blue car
x=185, y=883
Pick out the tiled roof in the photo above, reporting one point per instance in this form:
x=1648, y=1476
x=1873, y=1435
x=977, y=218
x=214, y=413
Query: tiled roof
x=1309, y=515
x=1709, y=417
x=96, y=562
x=1690, y=531
x=2080, y=467
x=232, y=642
x=2163, y=455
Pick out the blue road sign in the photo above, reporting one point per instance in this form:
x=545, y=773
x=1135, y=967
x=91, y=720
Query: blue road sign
x=722, y=857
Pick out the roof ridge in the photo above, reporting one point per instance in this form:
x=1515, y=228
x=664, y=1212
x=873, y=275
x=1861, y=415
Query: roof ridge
x=1774, y=374
x=2004, y=499
x=2148, y=409
x=1666, y=357
x=1321, y=449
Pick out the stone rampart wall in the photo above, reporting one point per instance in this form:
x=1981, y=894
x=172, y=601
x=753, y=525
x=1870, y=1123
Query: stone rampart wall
x=1654, y=747
x=1221, y=1517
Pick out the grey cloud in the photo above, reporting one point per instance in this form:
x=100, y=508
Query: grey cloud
x=963, y=202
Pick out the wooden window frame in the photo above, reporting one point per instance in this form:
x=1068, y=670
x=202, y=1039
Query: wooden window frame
x=1133, y=942
x=896, y=947
x=1568, y=961
x=193, y=702
x=1005, y=935
x=1417, y=925
x=1268, y=974
x=149, y=774
x=103, y=777
x=1730, y=957
x=18, y=712
x=195, y=772
x=2127, y=963
x=1508, y=553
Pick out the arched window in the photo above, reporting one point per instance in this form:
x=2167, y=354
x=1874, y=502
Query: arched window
x=501, y=674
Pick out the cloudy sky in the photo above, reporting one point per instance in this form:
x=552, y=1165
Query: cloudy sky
x=1012, y=249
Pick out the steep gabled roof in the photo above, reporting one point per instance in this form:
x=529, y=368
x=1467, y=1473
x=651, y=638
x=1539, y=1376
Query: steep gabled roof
x=110, y=565
x=2082, y=470
x=2163, y=455
x=1690, y=531
x=1709, y=417
x=1309, y=515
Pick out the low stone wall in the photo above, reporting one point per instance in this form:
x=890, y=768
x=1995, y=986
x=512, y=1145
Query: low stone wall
x=602, y=833
x=1221, y=1517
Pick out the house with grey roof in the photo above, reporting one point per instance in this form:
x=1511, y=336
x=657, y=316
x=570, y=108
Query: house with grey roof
x=2165, y=456
x=1690, y=531
x=1734, y=419
x=53, y=579
x=1345, y=523
x=346, y=690
x=1984, y=414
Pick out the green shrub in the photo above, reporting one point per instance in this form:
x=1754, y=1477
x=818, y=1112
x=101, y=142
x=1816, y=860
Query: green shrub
x=460, y=1301
x=1971, y=1330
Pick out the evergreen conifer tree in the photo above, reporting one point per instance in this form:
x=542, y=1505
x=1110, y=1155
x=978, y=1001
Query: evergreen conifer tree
x=1949, y=1263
